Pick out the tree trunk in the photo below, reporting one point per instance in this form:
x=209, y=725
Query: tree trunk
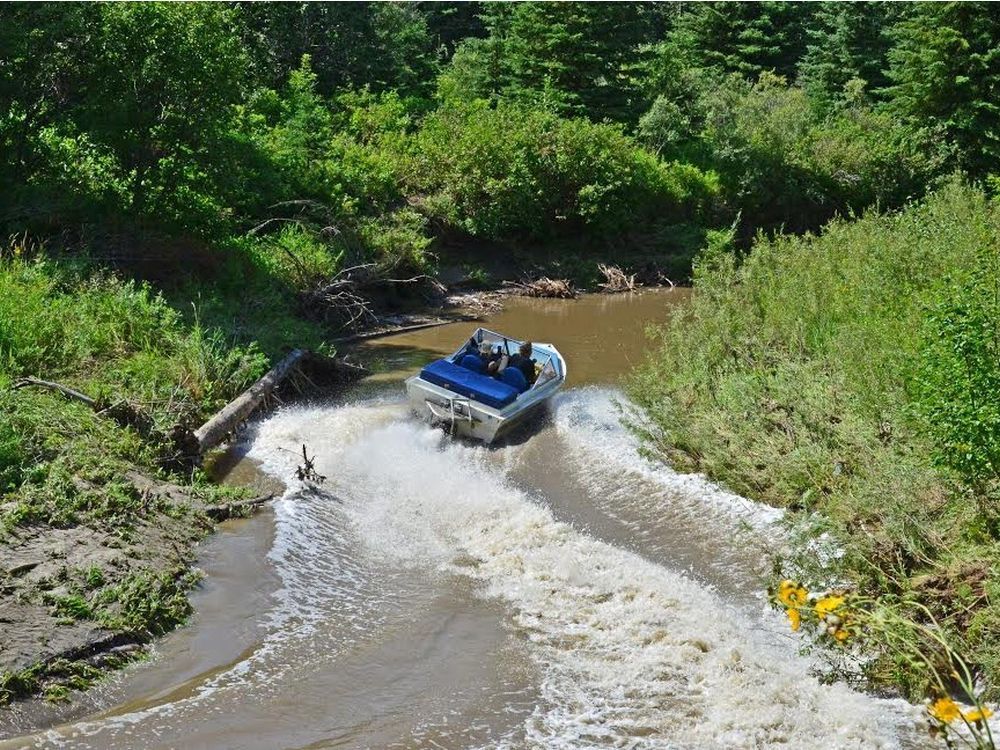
x=214, y=431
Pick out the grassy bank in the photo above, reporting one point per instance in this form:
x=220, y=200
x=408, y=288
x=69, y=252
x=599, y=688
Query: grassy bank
x=852, y=377
x=90, y=563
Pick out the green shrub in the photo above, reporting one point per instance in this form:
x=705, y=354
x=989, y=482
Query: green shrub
x=957, y=387
x=784, y=163
x=508, y=171
x=146, y=603
x=855, y=374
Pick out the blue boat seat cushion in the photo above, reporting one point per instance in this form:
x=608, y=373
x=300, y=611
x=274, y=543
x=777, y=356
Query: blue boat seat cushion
x=482, y=388
x=473, y=362
x=515, y=378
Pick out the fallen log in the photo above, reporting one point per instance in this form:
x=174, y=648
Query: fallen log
x=237, y=509
x=225, y=421
x=237, y=411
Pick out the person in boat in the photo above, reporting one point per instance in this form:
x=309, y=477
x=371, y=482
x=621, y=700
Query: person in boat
x=488, y=354
x=522, y=361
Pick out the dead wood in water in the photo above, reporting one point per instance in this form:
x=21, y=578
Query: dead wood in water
x=307, y=471
x=616, y=280
x=237, y=411
x=543, y=287
x=237, y=509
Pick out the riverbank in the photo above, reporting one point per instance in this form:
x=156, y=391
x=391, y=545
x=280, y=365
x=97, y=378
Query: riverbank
x=98, y=519
x=852, y=378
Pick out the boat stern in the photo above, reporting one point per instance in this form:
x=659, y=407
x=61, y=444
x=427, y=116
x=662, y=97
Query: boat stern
x=458, y=413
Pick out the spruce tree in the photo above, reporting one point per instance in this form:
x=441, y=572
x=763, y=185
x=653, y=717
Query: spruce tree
x=848, y=41
x=945, y=73
x=579, y=53
x=743, y=38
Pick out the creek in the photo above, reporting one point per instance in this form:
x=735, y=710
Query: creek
x=556, y=591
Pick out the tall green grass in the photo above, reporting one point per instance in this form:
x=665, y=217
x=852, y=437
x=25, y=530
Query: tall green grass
x=114, y=340
x=851, y=377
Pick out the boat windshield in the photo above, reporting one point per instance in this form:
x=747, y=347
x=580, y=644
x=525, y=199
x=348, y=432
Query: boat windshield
x=544, y=360
x=546, y=374
x=496, y=340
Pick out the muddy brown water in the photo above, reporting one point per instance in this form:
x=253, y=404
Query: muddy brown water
x=557, y=591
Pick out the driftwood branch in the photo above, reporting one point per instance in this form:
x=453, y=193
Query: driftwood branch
x=616, y=280
x=543, y=287
x=122, y=412
x=60, y=388
x=274, y=220
x=307, y=471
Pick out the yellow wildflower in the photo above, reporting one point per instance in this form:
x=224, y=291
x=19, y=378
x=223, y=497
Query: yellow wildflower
x=828, y=605
x=944, y=710
x=791, y=594
x=977, y=714
x=795, y=618
x=841, y=635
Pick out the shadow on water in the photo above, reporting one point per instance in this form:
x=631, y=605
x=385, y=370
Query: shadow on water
x=389, y=360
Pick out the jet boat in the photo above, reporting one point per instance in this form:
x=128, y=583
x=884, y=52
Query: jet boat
x=459, y=392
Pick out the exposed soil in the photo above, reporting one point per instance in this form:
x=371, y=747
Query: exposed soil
x=49, y=575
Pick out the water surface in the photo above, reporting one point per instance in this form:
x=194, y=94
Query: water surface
x=557, y=591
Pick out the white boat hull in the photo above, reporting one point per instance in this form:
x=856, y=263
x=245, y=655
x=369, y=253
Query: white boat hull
x=464, y=415
x=467, y=418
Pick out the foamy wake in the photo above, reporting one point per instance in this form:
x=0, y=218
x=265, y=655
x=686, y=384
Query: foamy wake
x=631, y=654
x=590, y=420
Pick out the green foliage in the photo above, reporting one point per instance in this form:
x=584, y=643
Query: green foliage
x=844, y=374
x=958, y=383
x=573, y=58
x=60, y=319
x=507, y=172
x=140, y=112
x=352, y=45
x=945, y=70
x=114, y=340
x=14, y=685
x=581, y=51
x=94, y=577
x=848, y=45
x=783, y=164
x=743, y=38
x=73, y=606
x=146, y=603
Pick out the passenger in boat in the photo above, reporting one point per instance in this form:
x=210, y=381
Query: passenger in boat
x=487, y=353
x=521, y=361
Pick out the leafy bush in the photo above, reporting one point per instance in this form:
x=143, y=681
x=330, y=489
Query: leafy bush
x=113, y=338
x=958, y=381
x=784, y=163
x=850, y=373
x=509, y=172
